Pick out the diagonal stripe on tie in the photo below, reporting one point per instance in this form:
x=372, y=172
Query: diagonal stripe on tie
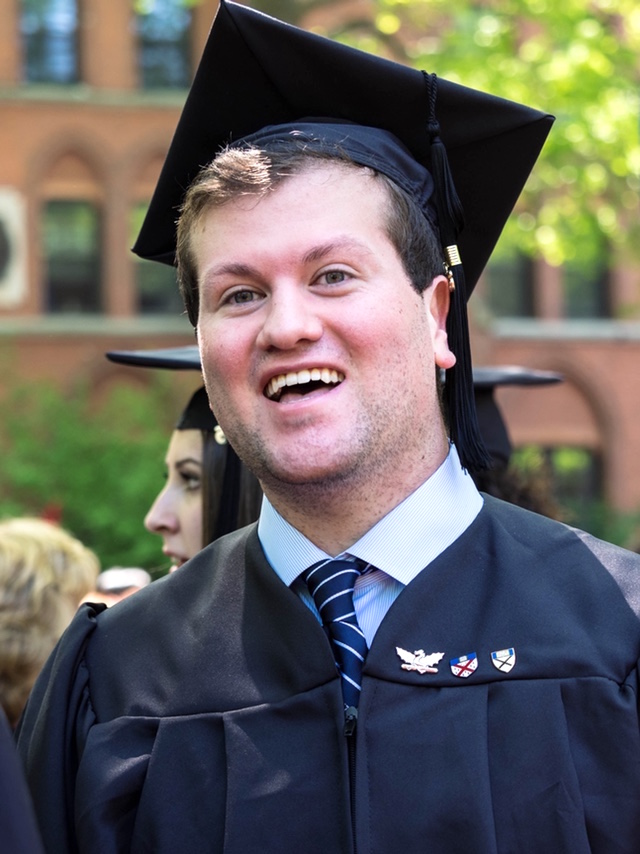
x=331, y=584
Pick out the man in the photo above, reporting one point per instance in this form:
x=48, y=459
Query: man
x=484, y=697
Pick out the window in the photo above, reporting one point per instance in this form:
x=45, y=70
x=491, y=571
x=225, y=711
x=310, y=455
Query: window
x=156, y=284
x=164, y=49
x=72, y=238
x=586, y=290
x=510, y=286
x=49, y=31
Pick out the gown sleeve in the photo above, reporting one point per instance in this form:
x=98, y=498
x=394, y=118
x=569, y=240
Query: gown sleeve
x=17, y=821
x=53, y=729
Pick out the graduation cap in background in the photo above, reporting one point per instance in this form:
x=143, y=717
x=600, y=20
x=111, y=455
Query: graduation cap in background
x=490, y=420
x=257, y=71
x=196, y=415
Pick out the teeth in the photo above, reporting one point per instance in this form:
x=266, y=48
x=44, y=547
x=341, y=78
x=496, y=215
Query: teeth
x=294, y=378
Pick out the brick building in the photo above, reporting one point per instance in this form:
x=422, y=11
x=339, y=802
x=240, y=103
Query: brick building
x=90, y=92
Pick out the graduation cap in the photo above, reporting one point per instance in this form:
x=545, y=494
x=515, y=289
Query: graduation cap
x=490, y=421
x=197, y=414
x=476, y=149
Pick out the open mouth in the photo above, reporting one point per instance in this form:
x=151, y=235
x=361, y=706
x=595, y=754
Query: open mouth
x=300, y=383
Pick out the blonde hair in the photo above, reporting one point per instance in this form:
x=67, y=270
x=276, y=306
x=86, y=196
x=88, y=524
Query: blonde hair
x=44, y=573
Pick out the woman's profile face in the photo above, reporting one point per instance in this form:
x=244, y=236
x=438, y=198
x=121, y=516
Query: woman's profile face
x=176, y=514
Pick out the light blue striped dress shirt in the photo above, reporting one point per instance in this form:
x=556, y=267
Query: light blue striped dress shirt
x=400, y=545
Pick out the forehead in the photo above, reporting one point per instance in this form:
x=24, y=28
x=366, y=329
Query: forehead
x=322, y=196
x=185, y=444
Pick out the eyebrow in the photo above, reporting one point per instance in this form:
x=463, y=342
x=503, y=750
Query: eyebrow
x=231, y=269
x=317, y=253
x=185, y=460
x=331, y=246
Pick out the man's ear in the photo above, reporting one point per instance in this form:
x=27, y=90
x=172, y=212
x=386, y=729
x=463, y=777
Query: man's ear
x=437, y=300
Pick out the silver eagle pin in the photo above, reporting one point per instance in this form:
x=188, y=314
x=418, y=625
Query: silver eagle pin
x=419, y=661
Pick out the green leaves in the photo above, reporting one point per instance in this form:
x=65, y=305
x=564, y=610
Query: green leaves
x=578, y=60
x=100, y=464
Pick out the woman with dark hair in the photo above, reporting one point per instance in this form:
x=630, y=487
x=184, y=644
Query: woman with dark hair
x=209, y=492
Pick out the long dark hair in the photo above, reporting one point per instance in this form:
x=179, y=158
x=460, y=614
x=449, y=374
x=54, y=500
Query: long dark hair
x=231, y=495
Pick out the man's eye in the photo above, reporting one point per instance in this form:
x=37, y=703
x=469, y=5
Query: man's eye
x=334, y=277
x=240, y=297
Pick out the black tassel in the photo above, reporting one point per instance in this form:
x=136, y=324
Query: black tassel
x=459, y=396
x=458, y=392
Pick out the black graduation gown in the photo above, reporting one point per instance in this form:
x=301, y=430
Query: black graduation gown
x=18, y=831
x=204, y=714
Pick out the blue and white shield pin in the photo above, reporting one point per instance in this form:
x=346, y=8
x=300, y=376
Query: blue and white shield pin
x=464, y=666
x=504, y=659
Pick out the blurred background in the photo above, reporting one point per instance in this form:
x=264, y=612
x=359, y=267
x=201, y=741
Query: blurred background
x=90, y=92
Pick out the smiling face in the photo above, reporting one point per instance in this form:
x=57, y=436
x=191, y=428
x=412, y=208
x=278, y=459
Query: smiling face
x=318, y=352
x=176, y=514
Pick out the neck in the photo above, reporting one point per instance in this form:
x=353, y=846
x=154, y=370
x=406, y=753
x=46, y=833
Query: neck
x=334, y=516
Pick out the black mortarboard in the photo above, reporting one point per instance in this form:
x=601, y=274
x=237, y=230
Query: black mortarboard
x=197, y=414
x=173, y=358
x=490, y=421
x=257, y=71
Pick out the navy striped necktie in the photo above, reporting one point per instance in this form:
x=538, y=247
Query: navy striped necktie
x=331, y=584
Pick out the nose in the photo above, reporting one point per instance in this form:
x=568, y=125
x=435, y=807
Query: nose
x=161, y=519
x=291, y=318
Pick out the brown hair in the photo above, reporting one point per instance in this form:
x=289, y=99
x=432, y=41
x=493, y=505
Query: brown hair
x=252, y=171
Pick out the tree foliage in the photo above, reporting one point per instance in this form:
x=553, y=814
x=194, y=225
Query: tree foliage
x=580, y=60
x=94, y=466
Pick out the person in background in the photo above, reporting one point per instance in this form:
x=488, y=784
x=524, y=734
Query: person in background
x=45, y=572
x=117, y=583
x=500, y=479
x=208, y=492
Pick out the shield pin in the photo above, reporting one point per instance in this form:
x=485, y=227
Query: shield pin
x=504, y=659
x=464, y=666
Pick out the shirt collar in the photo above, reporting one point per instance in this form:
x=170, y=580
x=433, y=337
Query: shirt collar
x=402, y=543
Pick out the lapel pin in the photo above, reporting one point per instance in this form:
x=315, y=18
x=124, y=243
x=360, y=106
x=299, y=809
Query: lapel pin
x=419, y=660
x=504, y=659
x=464, y=666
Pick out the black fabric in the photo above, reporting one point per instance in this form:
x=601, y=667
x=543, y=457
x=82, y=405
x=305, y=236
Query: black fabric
x=173, y=358
x=367, y=146
x=492, y=427
x=18, y=831
x=204, y=714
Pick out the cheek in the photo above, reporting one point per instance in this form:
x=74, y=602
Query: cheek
x=221, y=352
x=191, y=517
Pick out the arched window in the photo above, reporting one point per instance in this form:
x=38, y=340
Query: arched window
x=71, y=231
x=71, y=235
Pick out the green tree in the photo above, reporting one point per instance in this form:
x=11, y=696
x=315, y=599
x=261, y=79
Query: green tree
x=580, y=60
x=97, y=465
